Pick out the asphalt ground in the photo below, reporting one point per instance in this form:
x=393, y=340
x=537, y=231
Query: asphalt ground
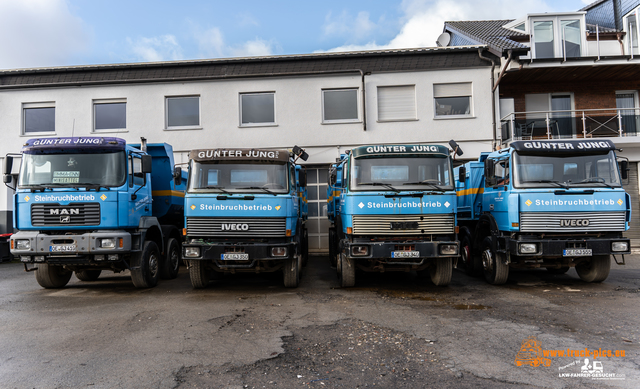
x=391, y=330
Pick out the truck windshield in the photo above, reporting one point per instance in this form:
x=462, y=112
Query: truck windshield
x=73, y=170
x=239, y=177
x=533, y=171
x=401, y=173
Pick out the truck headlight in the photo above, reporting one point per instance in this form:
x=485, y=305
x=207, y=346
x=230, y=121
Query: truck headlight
x=278, y=251
x=620, y=246
x=448, y=249
x=359, y=251
x=528, y=248
x=23, y=244
x=192, y=252
x=109, y=243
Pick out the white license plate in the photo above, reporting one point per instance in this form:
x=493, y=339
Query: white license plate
x=235, y=257
x=405, y=254
x=577, y=253
x=62, y=248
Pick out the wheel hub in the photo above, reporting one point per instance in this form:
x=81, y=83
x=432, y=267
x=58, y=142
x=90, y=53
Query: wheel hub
x=487, y=259
x=153, y=264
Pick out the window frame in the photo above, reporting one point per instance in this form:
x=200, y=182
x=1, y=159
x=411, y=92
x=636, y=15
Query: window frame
x=456, y=116
x=260, y=124
x=182, y=127
x=357, y=119
x=36, y=105
x=415, y=103
x=96, y=102
x=558, y=46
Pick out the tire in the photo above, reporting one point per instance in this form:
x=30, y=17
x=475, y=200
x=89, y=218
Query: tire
x=171, y=261
x=496, y=272
x=441, y=273
x=347, y=273
x=305, y=246
x=52, y=277
x=145, y=266
x=559, y=271
x=88, y=274
x=333, y=253
x=596, y=270
x=466, y=262
x=198, y=274
x=291, y=271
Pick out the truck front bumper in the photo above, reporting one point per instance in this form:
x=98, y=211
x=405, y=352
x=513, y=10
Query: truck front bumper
x=546, y=248
x=255, y=253
x=401, y=253
x=34, y=246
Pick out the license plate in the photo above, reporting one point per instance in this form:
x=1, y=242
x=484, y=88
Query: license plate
x=577, y=253
x=62, y=248
x=405, y=254
x=235, y=257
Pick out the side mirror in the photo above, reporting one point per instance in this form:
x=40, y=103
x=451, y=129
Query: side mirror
x=300, y=153
x=489, y=172
x=146, y=164
x=302, y=178
x=462, y=174
x=456, y=148
x=624, y=169
x=177, y=175
x=8, y=165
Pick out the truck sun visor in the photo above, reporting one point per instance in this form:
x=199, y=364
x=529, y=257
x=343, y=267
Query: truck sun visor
x=239, y=155
x=400, y=150
x=566, y=147
x=73, y=144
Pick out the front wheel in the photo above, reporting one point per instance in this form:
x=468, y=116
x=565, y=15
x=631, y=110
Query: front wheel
x=52, y=277
x=291, y=271
x=496, y=272
x=596, y=270
x=441, y=273
x=88, y=274
x=171, y=260
x=332, y=247
x=347, y=271
x=145, y=266
x=199, y=274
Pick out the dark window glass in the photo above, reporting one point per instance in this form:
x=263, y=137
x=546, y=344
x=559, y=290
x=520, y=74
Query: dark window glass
x=340, y=104
x=110, y=116
x=183, y=111
x=258, y=108
x=39, y=120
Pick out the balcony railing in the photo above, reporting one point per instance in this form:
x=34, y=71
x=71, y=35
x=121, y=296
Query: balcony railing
x=588, y=123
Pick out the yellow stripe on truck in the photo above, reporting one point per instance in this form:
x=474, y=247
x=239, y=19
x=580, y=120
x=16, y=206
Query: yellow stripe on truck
x=470, y=191
x=175, y=193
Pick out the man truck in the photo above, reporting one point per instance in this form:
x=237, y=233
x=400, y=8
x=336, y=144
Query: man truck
x=88, y=204
x=543, y=204
x=245, y=212
x=393, y=208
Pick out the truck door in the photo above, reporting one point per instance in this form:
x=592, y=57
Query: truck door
x=497, y=182
x=140, y=185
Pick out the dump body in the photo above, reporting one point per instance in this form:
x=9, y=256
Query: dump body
x=393, y=208
x=552, y=204
x=245, y=212
x=91, y=203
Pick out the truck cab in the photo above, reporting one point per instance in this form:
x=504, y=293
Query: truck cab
x=89, y=204
x=393, y=208
x=550, y=204
x=245, y=212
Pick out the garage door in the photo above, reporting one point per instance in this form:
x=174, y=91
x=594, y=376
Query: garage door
x=318, y=224
x=632, y=189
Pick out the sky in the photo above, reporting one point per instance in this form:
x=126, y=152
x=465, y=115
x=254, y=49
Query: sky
x=46, y=33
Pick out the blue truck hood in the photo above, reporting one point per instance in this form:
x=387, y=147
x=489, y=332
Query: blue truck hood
x=374, y=203
x=254, y=205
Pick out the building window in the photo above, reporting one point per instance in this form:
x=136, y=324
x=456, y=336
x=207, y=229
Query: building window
x=109, y=114
x=396, y=103
x=257, y=109
x=543, y=39
x=182, y=112
x=38, y=118
x=571, y=39
x=632, y=33
x=339, y=105
x=452, y=99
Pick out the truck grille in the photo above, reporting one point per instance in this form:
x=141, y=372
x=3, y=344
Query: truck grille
x=74, y=214
x=403, y=224
x=240, y=227
x=571, y=221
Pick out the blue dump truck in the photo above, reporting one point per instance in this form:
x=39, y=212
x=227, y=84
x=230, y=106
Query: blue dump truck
x=87, y=204
x=550, y=204
x=245, y=212
x=393, y=208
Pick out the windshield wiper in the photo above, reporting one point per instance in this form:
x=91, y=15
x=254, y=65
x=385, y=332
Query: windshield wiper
x=592, y=180
x=261, y=188
x=565, y=186
x=220, y=188
x=433, y=183
x=88, y=185
x=379, y=184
